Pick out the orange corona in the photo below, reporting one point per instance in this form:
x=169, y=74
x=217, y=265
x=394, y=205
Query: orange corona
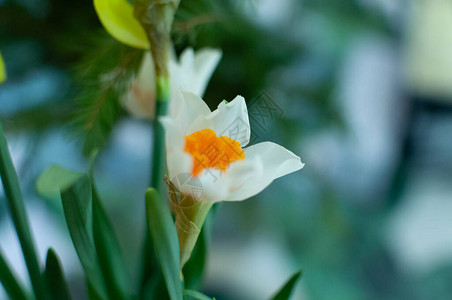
x=210, y=151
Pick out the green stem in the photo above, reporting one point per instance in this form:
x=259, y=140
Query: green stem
x=18, y=214
x=12, y=287
x=157, y=170
x=158, y=157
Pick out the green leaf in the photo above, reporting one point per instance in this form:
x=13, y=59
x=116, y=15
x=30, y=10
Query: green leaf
x=77, y=206
x=166, y=244
x=190, y=294
x=155, y=288
x=12, y=287
x=149, y=269
x=54, y=179
x=16, y=207
x=54, y=276
x=285, y=292
x=108, y=252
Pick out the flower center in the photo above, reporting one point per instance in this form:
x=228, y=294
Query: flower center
x=210, y=151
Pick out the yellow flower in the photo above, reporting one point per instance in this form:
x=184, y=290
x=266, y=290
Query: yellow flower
x=208, y=161
x=2, y=70
x=117, y=18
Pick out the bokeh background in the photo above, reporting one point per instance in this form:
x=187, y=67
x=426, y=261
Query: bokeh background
x=364, y=94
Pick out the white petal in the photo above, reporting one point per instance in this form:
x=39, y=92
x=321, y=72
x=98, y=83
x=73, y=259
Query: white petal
x=178, y=161
x=193, y=72
x=187, y=58
x=174, y=138
x=214, y=186
x=229, y=119
x=241, y=172
x=182, y=74
x=205, y=63
x=185, y=108
x=139, y=100
x=132, y=105
x=276, y=161
x=217, y=185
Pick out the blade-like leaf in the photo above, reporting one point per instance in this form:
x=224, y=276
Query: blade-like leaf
x=78, y=213
x=16, y=207
x=190, y=294
x=12, y=287
x=54, y=179
x=108, y=252
x=156, y=288
x=149, y=268
x=285, y=292
x=56, y=283
x=166, y=244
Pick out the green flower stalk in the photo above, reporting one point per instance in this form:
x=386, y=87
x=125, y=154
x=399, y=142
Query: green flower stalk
x=156, y=17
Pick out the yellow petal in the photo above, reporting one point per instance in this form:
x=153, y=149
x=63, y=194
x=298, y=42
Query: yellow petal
x=2, y=70
x=117, y=18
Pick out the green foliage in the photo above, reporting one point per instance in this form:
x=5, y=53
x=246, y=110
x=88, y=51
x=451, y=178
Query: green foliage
x=17, y=209
x=285, y=292
x=12, y=287
x=54, y=179
x=54, y=275
x=166, y=244
x=190, y=294
x=91, y=232
x=109, y=254
x=104, y=77
x=77, y=206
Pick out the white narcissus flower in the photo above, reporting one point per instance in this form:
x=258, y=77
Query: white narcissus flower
x=191, y=73
x=207, y=161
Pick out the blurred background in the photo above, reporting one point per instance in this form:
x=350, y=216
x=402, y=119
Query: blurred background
x=363, y=94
